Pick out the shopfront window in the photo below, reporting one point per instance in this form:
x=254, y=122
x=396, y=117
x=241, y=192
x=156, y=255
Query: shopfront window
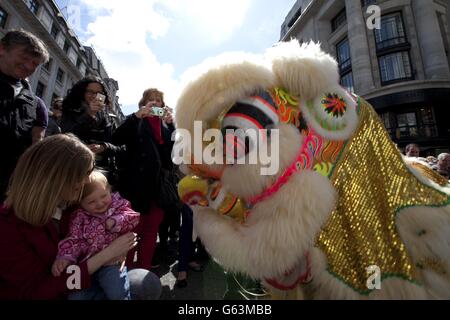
x=418, y=123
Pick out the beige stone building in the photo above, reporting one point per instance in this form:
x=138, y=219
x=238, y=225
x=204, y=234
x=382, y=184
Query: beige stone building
x=69, y=59
x=401, y=66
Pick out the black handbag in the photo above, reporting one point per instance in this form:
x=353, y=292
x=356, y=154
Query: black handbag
x=168, y=184
x=168, y=190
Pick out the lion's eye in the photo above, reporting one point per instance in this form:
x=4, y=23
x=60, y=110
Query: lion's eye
x=256, y=112
x=245, y=120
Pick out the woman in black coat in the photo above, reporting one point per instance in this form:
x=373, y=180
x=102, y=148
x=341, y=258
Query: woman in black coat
x=85, y=113
x=148, y=146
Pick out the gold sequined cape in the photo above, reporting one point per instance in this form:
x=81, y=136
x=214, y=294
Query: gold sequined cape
x=373, y=185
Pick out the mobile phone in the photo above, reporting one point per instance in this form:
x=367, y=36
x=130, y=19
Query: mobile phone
x=100, y=97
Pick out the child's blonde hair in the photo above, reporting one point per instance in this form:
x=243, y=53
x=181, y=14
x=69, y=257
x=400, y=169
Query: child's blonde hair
x=95, y=177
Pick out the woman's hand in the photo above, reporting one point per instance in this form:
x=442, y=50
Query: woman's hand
x=143, y=112
x=112, y=253
x=168, y=117
x=96, y=148
x=121, y=246
x=95, y=106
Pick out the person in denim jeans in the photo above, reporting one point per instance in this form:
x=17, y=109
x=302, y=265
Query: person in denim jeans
x=109, y=283
x=49, y=176
x=101, y=218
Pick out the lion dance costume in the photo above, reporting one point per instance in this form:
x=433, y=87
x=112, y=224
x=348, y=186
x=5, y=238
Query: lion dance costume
x=343, y=200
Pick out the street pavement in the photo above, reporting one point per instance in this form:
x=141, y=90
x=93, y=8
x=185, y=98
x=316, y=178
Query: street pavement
x=207, y=285
x=211, y=284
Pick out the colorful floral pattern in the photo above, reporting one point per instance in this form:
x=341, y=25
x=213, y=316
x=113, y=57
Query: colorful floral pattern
x=334, y=104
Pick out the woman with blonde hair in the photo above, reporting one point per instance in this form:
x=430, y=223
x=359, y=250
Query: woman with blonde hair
x=49, y=176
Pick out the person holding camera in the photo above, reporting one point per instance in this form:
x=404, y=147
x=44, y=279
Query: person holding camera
x=85, y=114
x=147, y=137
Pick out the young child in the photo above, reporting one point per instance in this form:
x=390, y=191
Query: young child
x=101, y=218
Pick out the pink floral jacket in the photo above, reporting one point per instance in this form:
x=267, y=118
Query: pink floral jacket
x=88, y=235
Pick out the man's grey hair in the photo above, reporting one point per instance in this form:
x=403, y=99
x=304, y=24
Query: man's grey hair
x=33, y=45
x=442, y=156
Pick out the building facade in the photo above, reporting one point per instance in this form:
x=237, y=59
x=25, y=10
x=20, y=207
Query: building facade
x=69, y=59
x=400, y=65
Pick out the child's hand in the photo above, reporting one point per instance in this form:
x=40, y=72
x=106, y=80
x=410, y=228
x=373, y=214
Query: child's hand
x=59, y=266
x=110, y=223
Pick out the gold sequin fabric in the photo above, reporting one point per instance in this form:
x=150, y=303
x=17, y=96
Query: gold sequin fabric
x=430, y=174
x=373, y=184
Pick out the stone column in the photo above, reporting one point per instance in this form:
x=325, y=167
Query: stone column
x=430, y=40
x=359, y=49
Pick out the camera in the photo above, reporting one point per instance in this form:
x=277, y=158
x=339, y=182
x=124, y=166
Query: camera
x=157, y=111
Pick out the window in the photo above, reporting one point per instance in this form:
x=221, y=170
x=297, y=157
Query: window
x=34, y=6
x=428, y=128
x=393, y=50
x=54, y=31
x=66, y=46
x=78, y=62
x=391, y=33
x=366, y=3
x=388, y=119
x=441, y=21
x=347, y=81
x=60, y=76
x=295, y=17
x=345, y=64
x=394, y=67
x=343, y=55
x=406, y=125
x=47, y=66
x=3, y=17
x=339, y=20
x=40, y=89
x=417, y=122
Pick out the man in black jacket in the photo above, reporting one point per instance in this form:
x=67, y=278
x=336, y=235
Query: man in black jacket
x=20, y=54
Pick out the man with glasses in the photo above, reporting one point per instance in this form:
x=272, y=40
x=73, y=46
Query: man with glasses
x=23, y=116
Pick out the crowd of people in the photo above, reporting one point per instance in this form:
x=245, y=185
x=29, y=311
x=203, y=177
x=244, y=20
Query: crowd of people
x=79, y=191
x=440, y=164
